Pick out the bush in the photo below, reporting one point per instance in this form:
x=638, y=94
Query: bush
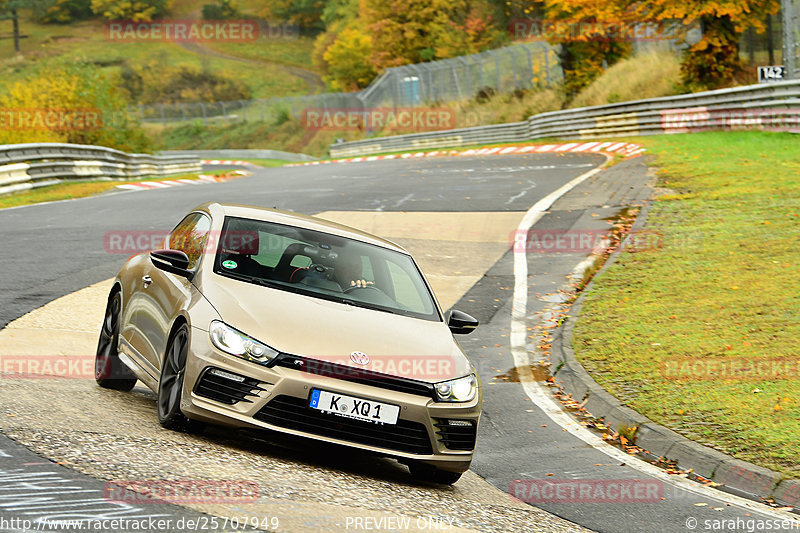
x=71, y=91
x=224, y=9
x=585, y=61
x=64, y=11
x=647, y=75
x=156, y=82
x=135, y=10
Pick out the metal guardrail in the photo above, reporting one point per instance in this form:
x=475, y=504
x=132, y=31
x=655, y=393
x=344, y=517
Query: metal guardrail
x=28, y=166
x=241, y=154
x=774, y=107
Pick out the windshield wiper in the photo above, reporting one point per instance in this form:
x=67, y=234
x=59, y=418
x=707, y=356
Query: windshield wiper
x=354, y=303
x=259, y=281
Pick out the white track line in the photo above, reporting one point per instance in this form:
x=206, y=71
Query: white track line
x=542, y=396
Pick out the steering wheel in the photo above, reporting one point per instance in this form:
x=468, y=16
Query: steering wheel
x=355, y=287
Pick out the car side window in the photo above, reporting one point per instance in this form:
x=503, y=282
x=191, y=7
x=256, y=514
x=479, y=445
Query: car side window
x=190, y=236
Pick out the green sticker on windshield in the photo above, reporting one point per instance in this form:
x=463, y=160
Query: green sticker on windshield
x=229, y=264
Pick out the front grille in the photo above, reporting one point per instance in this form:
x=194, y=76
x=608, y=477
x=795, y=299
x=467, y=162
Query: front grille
x=456, y=434
x=293, y=413
x=355, y=375
x=226, y=387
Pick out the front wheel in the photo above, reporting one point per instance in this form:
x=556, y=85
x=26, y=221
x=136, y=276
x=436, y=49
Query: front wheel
x=109, y=371
x=431, y=474
x=170, y=386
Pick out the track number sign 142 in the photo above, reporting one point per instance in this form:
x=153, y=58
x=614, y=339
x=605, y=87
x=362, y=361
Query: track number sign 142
x=770, y=74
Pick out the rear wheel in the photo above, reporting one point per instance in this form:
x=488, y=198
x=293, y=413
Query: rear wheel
x=170, y=386
x=109, y=371
x=431, y=474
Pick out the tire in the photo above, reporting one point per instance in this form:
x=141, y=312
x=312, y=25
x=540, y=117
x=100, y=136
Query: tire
x=109, y=371
x=431, y=474
x=170, y=384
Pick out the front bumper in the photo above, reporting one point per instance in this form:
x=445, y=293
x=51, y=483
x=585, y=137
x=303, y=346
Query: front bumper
x=277, y=399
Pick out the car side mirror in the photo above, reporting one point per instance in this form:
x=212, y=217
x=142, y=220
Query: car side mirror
x=460, y=323
x=173, y=261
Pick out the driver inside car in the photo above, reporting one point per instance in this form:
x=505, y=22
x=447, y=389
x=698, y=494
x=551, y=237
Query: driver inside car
x=348, y=271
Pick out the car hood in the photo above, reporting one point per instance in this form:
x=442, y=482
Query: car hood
x=302, y=325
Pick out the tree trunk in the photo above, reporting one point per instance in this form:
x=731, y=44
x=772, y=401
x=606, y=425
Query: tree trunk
x=15, y=21
x=770, y=43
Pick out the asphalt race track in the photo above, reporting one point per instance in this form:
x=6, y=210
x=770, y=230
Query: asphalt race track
x=55, y=249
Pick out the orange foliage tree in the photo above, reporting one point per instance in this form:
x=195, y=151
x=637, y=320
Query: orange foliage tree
x=414, y=31
x=711, y=62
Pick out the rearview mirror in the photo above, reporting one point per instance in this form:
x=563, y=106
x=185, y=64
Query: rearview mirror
x=173, y=261
x=460, y=323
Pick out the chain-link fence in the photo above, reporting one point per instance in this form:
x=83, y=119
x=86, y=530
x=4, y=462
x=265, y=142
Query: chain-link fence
x=768, y=47
x=503, y=70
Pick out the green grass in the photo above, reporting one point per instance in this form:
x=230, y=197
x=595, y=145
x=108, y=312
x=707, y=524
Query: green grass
x=68, y=191
x=268, y=163
x=86, y=40
x=287, y=51
x=724, y=287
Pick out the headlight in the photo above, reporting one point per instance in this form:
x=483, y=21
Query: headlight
x=237, y=343
x=457, y=390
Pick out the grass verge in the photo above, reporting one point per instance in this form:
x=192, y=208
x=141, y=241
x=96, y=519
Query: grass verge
x=69, y=191
x=680, y=333
x=269, y=163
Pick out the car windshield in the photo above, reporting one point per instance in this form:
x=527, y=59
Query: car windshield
x=324, y=266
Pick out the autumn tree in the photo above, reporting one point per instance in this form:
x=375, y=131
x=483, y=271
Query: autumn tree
x=585, y=31
x=348, y=63
x=305, y=13
x=414, y=31
x=714, y=60
x=66, y=88
x=342, y=52
x=711, y=62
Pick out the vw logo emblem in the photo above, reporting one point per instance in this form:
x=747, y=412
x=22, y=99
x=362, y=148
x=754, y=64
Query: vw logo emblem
x=359, y=358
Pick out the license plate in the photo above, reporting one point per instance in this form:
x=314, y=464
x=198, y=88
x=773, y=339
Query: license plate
x=358, y=408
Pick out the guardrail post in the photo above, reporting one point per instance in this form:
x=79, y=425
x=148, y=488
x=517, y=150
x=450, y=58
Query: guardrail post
x=496, y=67
x=455, y=79
x=203, y=110
x=546, y=64
x=513, y=68
x=530, y=64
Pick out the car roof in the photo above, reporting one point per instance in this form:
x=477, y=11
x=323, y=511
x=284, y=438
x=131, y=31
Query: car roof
x=216, y=209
